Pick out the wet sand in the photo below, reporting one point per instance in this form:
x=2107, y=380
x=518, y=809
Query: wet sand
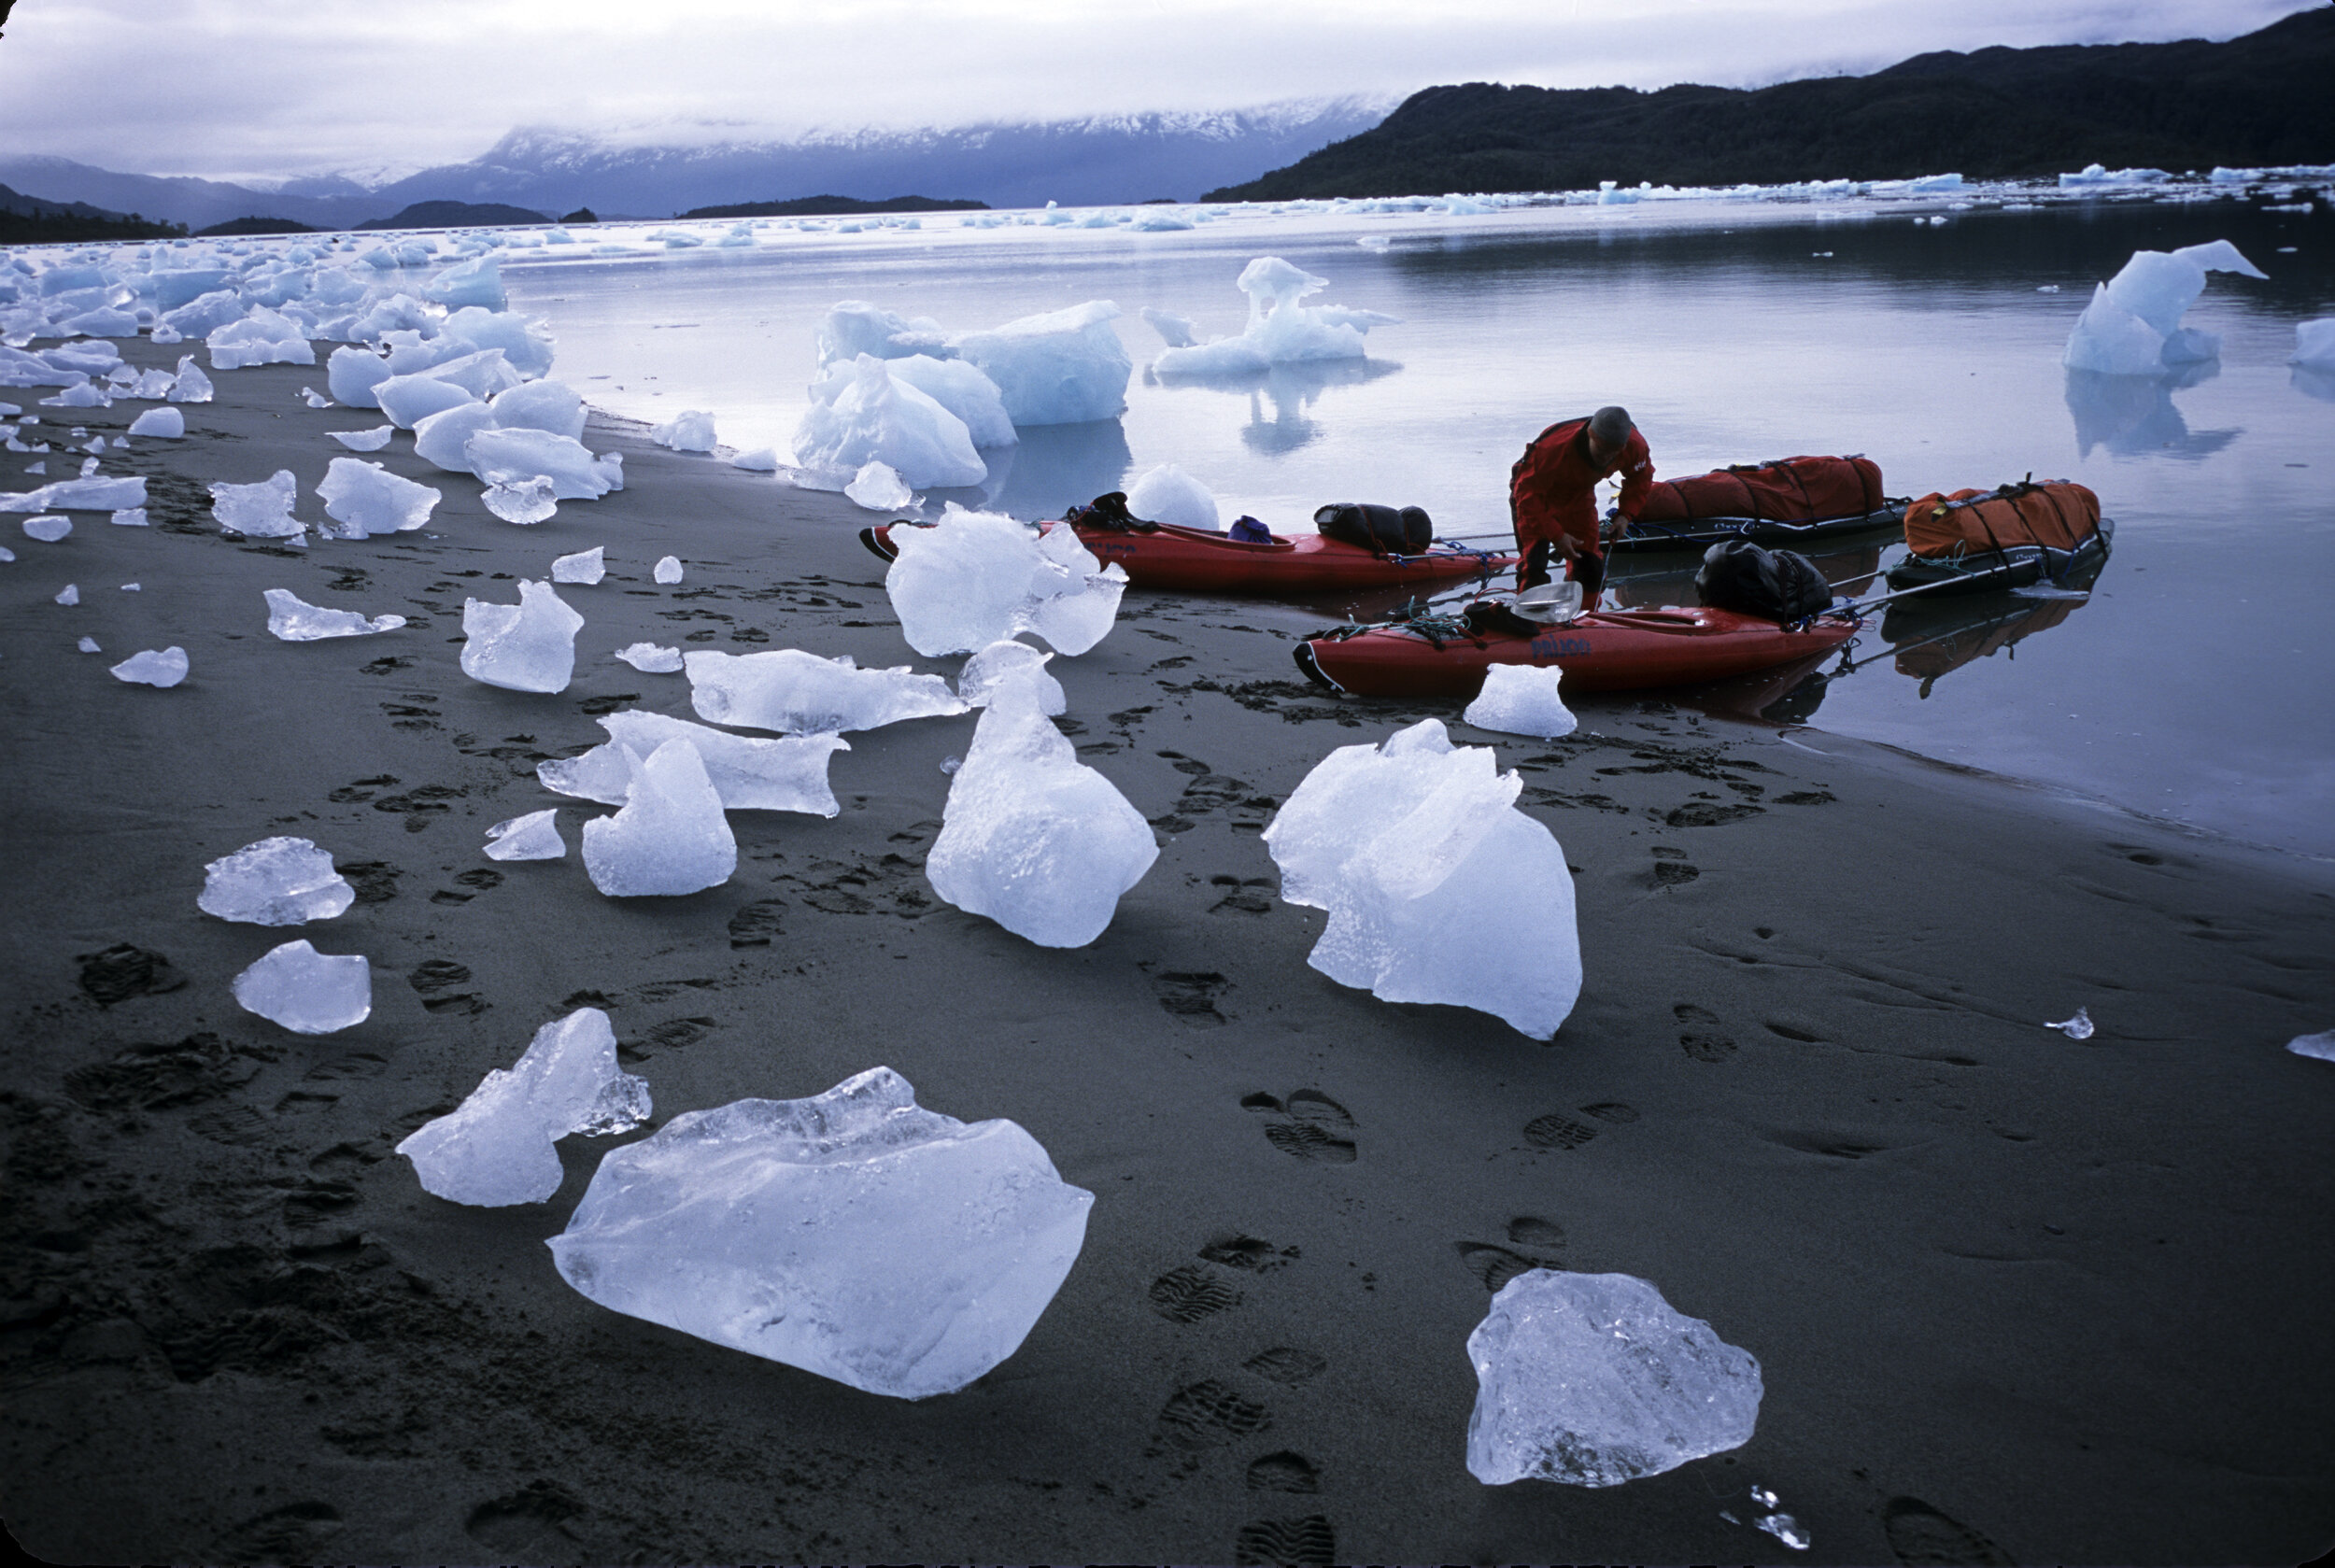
x=2016, y=1297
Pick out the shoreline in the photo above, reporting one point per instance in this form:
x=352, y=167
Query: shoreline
x=1989, y=1272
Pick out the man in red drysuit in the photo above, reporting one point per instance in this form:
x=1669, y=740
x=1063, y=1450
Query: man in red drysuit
x=1552, y=496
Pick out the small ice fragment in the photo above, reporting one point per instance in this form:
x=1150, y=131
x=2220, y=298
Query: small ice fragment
x=6, y=554
x=1593, y=1379
x=40, y=468
x=523, y=502
x=496, y=1149
x=951, y=764
x=71, y=595
x=48, y=529
x=532, y=837
x=668, y=570
x=130, y=587
x=585, y=566
x=165, y=422
x=853, y=1235
x=191, y=386
x=1009, y=660
x=275, y=882
x=1783, y=1526
x=650, y=659
x=292, y=620
x=527, y=647
x=89, y=645
x=355, y=441
x=670, y=838
x=690, y=430
x=2321, y=1046
x=315, y=398
x=2076, y=1028
x=130, y=517
x=748, y=772
x=879, y=488
x=1763, y=1497
x=762, y=460
x=1522, y=700
x=150, y=668
x=307, y=992
x=2047, y=289
x=1728, y=1517
x=1170, y=495
x=260, y=511
x=798, y=693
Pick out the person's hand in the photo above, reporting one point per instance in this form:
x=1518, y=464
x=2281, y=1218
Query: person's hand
x=1566, y=549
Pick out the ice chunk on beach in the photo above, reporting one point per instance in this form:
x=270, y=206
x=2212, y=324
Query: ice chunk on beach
x=542, y=405
x=2132, y=326
x=1593, y=1379
x=798, y=693
x=475, y=282
x=527, y=647
x=762, y=460
x=525, y=502
x=443, y=439
x=1522, y=700
x=977, y=577
x=165, y=423
x=525, y=343
x=496, y=1149
x=501, y=457
x=2320, y=1047
x=190, y=385
x=878, y=488
x=532, y=837
x=670, y=838
x=1170, y=495
x=408, y=400
x=307, y=992
x=314, y=398
x=689, y=430
x=48, y=529
x=2080, y=1027
x=293, y=621
x=263, y=337
x=853, y=1235
x=260, y=511
x=651, y=659
x=1007, y=661
x=353, y=374
x=369, y=499
x=586, y=567
x=1395, y=841
x=860, y=414
x=1032, y=838
x=964, y=391
x=89, y=645
x=276, y=881
x=750, y=773
x=149, y=668
x=1280, y=329
x=70, y=594
x=668, y=570
x=77, y=495
x=1064, y=367
x=1176, y=332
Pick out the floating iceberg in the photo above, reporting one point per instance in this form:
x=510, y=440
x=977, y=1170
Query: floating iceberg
x=853, y=1235
x=369, y=499
x=525, y=502
x=670, y=838
x=964, y=391
x=2314, y=345
x=860, y=414
x=527, y=647
x=307, y=992
x=264, y=337
x=798, y=693
x=855, y=327
x=748, y=772
x=276, y=881
x=501, y=457
x=1062, y=368
x=1168, y=494
x=165, y=423
x=1522, y=700
x=876, y=488
x=2132, y=326
x=975, y=578
x=1397, y=841
x=77, y=495
x=260, y=511
x=532, y=837
x=497, y=1148
x=585, y=566
x=293, y=621
x=1280, y=331
x=1032, y=838
x=689, y=430
x=651, y=659
x=1007, y=661
x=152, y=669
x=1593, y=1379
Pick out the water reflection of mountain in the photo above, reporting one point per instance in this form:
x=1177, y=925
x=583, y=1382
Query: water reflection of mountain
x=1051, y=469
x=2134, y=415
x=1279, y=397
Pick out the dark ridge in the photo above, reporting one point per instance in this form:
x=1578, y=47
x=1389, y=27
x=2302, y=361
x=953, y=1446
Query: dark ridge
x=32, y=220
x=458, y=215
x=833, y=206
x=580, y=214
x=1994, y=114
x=256, y=226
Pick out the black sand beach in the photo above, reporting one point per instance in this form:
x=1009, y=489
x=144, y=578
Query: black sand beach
x=2016, y=1298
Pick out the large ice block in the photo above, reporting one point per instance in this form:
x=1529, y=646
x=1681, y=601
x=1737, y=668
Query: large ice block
x=1168, y=494
x=307, y=992
x=2132, y=326
x=1397, y=842
x=367, y=498
x=1522, y=700
x=150, y=667
x=689, y=430
x=527, y=647
x=442, y=439
x=553, y=406
x=1009, y=660
x=975, y=578
x=263, y=337
x=1032, y=837
x=1280, y=329
x=510, y=457
x=1593, y=1379
x=260, y=511
x=408, y=400
x=859, y=414
x=964, y=391
x=294, y=620
x=670, y=838
x=798, y=693
x=497, y=1148
x=165, y=423
x=853, y=1235
x=748, y=772
x=1064, y=367
x=276, y=881
x=77, y=495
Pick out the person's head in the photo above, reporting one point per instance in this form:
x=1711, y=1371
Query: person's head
x=1609, y=430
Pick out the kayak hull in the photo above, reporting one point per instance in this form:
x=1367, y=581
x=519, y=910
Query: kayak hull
x=1191, y=560
x=2016, y=566
x=1617, y=650
x=1700, y=533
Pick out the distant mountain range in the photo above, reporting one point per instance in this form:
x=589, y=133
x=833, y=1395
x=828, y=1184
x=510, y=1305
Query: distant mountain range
x=1995, y=114
x=1079, y=162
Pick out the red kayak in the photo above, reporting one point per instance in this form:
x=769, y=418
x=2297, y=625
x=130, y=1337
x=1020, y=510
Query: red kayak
x=1605, y=650
x=1191, y=561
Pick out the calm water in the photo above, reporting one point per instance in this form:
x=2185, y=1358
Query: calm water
x=2193, y=685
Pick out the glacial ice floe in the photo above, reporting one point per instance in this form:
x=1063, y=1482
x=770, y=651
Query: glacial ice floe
x=2132, y=325
x=792, y=692
x=748, y=772
x=671, y=837
x=1064, y=367
x=974, y=578
x=281, y=880
x=307, y=992
x=1280, y=329
x=527, y=647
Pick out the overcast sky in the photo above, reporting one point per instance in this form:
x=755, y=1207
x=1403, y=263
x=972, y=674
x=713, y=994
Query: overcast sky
x=228, y=87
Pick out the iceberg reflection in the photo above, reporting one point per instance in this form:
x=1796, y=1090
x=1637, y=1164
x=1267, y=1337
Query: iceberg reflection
x=2134, y=415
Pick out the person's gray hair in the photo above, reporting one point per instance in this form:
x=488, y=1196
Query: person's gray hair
x=1612, y=425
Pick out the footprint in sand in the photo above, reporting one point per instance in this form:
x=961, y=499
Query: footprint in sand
x=295, y=1532
x=1922, y=1537
x=540, y=1516
x=1192, y=1292
x=1191, y=996
x=1287, y=1366
x=756, y=923
x=1284, y=1472
x=1316, y=1128
x=435, y=979
x=1306, y=1542
x=123, y=971
x=1203, y=1416
x=1703, y=1039
x=1535, y=1243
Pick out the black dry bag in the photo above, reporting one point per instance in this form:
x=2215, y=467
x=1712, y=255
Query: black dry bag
x=1389, y=531
x=1772, y=585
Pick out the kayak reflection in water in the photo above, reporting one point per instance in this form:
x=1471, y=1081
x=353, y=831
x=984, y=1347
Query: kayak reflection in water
x=1552, y=496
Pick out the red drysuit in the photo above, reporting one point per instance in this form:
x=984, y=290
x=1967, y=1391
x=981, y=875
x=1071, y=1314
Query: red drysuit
x=1552, y=490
